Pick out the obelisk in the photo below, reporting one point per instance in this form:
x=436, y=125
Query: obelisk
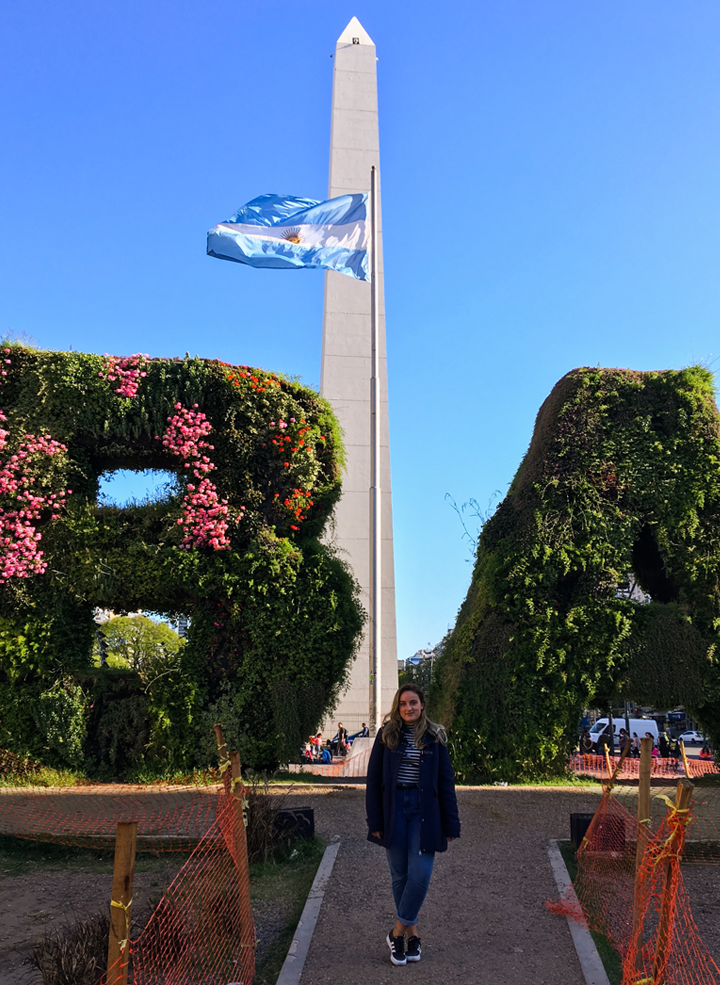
x=346, y=368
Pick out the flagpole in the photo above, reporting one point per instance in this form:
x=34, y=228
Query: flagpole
x=375, y=498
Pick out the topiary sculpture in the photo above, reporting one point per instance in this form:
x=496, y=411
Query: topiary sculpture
x=621, y=481
x=233, y=544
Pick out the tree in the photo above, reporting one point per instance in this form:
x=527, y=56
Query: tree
x=140, y=644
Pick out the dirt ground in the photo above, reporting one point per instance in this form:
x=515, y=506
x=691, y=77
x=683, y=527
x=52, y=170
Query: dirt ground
x=702, y=883
x=34, y=903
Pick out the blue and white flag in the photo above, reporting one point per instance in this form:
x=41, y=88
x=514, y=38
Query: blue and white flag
x=281, y=231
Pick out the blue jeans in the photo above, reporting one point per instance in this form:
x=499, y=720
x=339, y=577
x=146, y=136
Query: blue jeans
x=409, y=867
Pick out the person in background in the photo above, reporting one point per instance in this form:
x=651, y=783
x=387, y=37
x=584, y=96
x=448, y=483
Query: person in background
x=586, y=744
x=362, y=734
x=338, y=743
x=601, y=742
x=705, y=752
x=411, y=809
x=622, y=739
x=663, y=744
x=635, y=745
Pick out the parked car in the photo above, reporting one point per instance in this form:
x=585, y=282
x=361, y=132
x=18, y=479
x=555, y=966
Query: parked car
x=692, y=738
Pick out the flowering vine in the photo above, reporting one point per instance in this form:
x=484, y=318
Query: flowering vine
x=204, y=513
x=20, y=554
x=7, y=362
x=288, y=440
x=244, y=375
x=127, y=370
x=295, y=503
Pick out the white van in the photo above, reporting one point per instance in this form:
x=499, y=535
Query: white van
x=639, y=725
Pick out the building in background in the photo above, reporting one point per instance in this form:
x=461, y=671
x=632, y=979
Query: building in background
x=418, y=669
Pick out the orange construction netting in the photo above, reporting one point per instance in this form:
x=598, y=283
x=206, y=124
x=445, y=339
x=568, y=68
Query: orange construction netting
x=203, y=931
x=669, y=769
x=635, y=895
x=170, y=817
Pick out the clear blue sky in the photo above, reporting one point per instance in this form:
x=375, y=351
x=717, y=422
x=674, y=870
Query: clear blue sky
x=551, y=199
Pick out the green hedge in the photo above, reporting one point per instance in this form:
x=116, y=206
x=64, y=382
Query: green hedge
x=276, y=610
x=622, y=476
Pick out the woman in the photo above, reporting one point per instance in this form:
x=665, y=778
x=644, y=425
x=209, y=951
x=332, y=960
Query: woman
x=411, y=809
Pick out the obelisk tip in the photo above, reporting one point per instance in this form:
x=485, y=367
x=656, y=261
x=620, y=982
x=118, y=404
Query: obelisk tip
x=355, y=33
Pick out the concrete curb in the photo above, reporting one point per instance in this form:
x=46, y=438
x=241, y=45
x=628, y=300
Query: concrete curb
x=590, y=961
x=297, y=954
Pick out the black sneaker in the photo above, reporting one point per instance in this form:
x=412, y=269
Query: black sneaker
x=413, y=949
x=397, y=948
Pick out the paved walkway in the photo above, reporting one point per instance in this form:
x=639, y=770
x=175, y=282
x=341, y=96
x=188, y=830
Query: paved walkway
x=484, y=919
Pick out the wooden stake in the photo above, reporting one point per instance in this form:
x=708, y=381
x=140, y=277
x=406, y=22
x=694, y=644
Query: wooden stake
x=684, y=759
x=607, y=763
x=617, y=769
x=222, y=748
x=643, y=835
x=646, y=746
x=247, y=927
x=120, y=907
x=669, y=898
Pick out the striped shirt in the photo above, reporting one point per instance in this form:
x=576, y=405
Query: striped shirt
x=409, y=771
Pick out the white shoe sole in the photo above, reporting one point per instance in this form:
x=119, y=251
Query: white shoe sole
x=392, y=956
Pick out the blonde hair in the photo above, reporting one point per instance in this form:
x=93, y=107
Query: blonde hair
x=424, y=728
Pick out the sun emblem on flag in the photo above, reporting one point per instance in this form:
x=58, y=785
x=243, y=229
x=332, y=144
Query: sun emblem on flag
x=292, y=236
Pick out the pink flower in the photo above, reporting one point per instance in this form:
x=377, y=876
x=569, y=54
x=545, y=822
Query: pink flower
x=127, y=370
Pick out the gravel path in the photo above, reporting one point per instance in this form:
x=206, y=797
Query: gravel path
x=702, y=883
x=484, y=918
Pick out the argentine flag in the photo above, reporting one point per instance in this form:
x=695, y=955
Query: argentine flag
x=281, y=231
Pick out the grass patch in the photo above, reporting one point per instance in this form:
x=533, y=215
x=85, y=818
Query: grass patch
x=287, y=879
x=608, y=955
x=707, y=780
x=44, y=777
x=570, y=780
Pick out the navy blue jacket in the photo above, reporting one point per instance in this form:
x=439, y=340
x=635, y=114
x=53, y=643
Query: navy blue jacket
x=438, y=804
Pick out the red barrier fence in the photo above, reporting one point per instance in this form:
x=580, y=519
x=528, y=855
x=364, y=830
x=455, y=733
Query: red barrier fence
x=669, y=769
x=203, y=930
x=629, y=881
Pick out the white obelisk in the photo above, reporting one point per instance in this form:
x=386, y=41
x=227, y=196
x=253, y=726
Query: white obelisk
x=346, y=371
